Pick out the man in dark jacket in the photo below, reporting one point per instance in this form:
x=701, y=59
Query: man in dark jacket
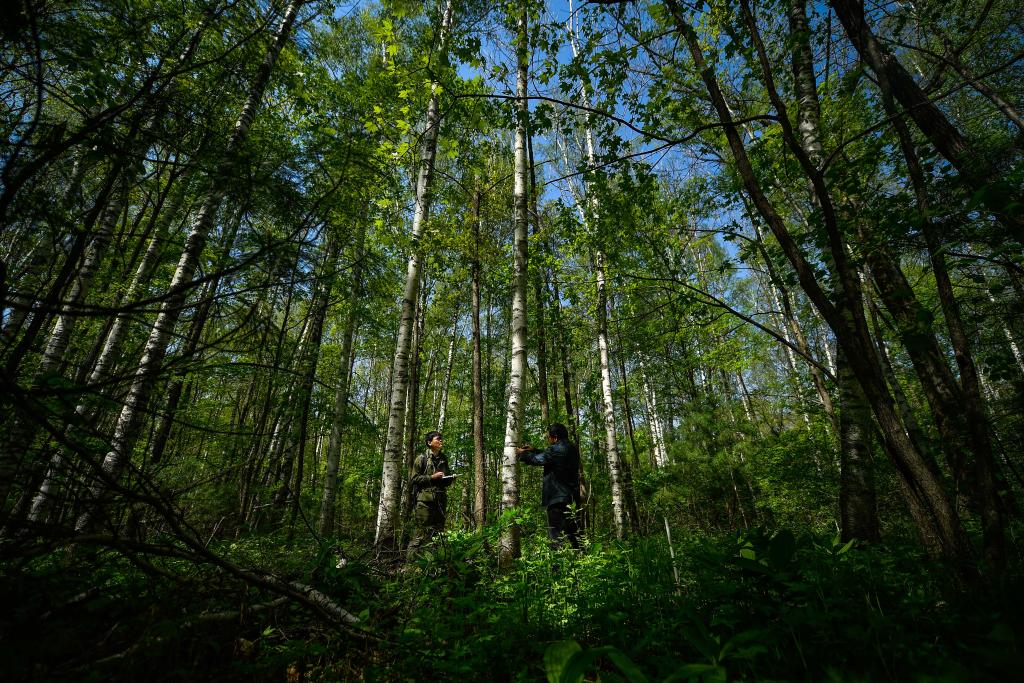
x=560, y=490
x=429, y=480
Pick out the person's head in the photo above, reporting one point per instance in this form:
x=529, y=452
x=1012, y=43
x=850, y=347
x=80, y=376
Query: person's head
x=557, y=432
x=433, y=440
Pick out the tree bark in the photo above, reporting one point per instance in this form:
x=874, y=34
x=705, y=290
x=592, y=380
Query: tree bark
x=340, y=410
x=971, y=399
x=443, y=411
x=660, y=455
x=538, y=292
x=392, y=474
x=509, y=542
x=479, y=469
x=858, y=510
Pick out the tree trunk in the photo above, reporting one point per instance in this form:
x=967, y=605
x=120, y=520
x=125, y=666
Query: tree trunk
x=660, y=454
x=971, y=398
x=413, y=445
x=509, y=543
x=192, y=342
x=972, y=166
x=858, y=509
x=570, y=412
x=847, y=320
x=608, y=406
x=627, y=410
x=538, y=291
x=479, y=470
x=443, y=411
x=129, y=421
x=340, y=411
x=392, y=474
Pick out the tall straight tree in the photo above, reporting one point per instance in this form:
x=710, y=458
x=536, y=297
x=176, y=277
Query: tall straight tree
x=479, y=471
x=589, y=209
x=509, y=542
x=392, y=474
x=856, y=491
x=341, y=395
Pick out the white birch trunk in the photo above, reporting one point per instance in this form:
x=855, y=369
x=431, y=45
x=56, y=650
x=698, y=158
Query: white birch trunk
x=654, y=420
x=392, y=472
x=509, y=542
x=442, y=412
x=1014, y=348
x=43, y=499
x=607, y=405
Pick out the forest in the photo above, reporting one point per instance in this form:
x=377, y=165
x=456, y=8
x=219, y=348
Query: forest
x=763, y=260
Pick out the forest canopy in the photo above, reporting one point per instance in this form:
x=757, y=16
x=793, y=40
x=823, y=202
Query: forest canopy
x=745, y=277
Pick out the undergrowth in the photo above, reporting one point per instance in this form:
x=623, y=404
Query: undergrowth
x=751, y=606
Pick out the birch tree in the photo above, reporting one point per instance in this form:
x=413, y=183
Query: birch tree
x=392, y=474
x=129, y=421
x=509, y=543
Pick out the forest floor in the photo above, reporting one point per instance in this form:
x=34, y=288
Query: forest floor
x=750, y=606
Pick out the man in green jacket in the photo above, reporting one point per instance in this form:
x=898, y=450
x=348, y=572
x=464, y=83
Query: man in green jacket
x=431, y=476
x=561, y=486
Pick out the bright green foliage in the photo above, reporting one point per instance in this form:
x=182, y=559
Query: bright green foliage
x=118, y=114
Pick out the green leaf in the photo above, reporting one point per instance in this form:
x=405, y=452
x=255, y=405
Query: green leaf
x=630, y=670
x=557, y=656
x=690, y=671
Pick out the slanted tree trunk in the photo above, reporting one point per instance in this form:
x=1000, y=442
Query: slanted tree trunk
x=192, y=343
x=22, y=429
x=973, y=166
x=846, y=319
x=971, y=398
x=130, y=419
x=304, y=399
x=101, y=369
x=392, y=474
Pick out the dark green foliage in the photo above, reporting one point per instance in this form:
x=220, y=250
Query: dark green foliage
x=758, y=605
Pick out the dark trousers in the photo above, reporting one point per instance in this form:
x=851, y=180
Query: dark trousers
x=562, y=522
x=428, y=522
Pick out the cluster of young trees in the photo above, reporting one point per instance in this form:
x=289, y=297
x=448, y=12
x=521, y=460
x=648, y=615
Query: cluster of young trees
x=764, y=260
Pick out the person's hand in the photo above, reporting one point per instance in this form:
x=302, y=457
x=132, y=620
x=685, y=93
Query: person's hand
x=437, y=475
